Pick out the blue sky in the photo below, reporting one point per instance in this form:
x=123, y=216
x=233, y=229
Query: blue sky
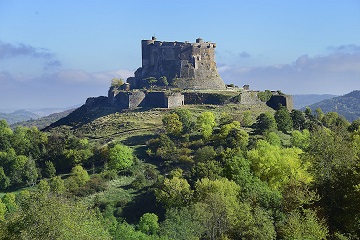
x=58, y=53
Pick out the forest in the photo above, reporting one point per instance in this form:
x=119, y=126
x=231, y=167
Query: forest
x=286, y=175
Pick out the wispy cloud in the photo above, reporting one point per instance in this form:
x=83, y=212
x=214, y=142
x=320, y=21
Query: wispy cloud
x=337, y=72
x=8, y=50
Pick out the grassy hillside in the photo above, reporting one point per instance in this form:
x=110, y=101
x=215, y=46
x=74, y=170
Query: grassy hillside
x=347, y=105
x=134, y=127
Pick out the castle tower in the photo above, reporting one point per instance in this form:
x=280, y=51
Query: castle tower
x=185, y=65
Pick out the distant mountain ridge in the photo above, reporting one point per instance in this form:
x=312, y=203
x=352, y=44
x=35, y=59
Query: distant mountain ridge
x=347, y=105
x=18, y=116
x=304, y=100
x=43, y=122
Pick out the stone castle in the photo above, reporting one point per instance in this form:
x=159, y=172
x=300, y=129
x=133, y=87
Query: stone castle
x=190, y=70
x=185, y=65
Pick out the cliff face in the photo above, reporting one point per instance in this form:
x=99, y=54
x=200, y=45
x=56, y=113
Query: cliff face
x=185, y=65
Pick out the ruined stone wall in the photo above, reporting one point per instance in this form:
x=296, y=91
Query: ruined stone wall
x=284, y=100
x=250, y=98
x=174, y=100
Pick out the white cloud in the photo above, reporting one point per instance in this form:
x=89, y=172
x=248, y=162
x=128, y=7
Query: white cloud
x=336, y=73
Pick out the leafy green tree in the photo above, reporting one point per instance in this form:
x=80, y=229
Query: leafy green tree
x=120, y=157
x=149, y=224
x=2, y=211
x=52, y=218
x=210, y=169
x=273, y=138
x=181, y=224
x=30, y=172
x=43, y=186
x=333, y=120
x=151, y=81
x=303, y=225
x=9, y=200
x=265, y=122
x=265, y=96
x=319, y=114
x=335, y=165
x=247, y=118
x=5, y=135
x=117, y=82
x=283, y=119
x=298, y=119
x=163, y=81
x=204, y=154
x=4, y=180
x=186, y=118
x=49, y=170
x=79, y=174
x=175, y=192
x=125, y=231
x=57, y=185
x=355, y=125
x=205, y=124
x=300, y=139
x=172, y=124
x=277, y=166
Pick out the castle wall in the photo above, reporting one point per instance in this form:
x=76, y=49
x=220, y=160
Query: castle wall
x=192, y=65
x=174, y=100
x=284, y=100
x=250, y=98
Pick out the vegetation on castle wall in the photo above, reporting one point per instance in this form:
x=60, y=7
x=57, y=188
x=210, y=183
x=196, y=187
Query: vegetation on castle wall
x=264, y=96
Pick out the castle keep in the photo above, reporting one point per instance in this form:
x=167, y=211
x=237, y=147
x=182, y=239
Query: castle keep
x=185, y=65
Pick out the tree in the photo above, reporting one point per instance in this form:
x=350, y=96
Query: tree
x=2, y=211
x=172, y=124
x=57, y=185
x=205, y=124
x=5, y=135
x=49, y=170
x=300, y=139
x=186, y=118
x=43, y=187
x=181, y=224
x=175, y=192
x=30, y=172
x=163, y=81
x=120, y=157
x=355, y=125
x=117, y=82
x=277, y=166
x=298, y=119
x=151, y=81
x=9, y=200
x=79, y=174
x=148, y=224
x=283, y=119
x=303, y=225
x=52, y=217
x=247, y=118
x=265, y=122
x=4, y=180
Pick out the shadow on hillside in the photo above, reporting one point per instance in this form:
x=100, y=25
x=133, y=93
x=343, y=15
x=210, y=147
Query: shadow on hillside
x=138, y=140
x=145, y=202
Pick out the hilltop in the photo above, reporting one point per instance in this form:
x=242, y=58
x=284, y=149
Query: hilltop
x=18, y=116
x=347, y=105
